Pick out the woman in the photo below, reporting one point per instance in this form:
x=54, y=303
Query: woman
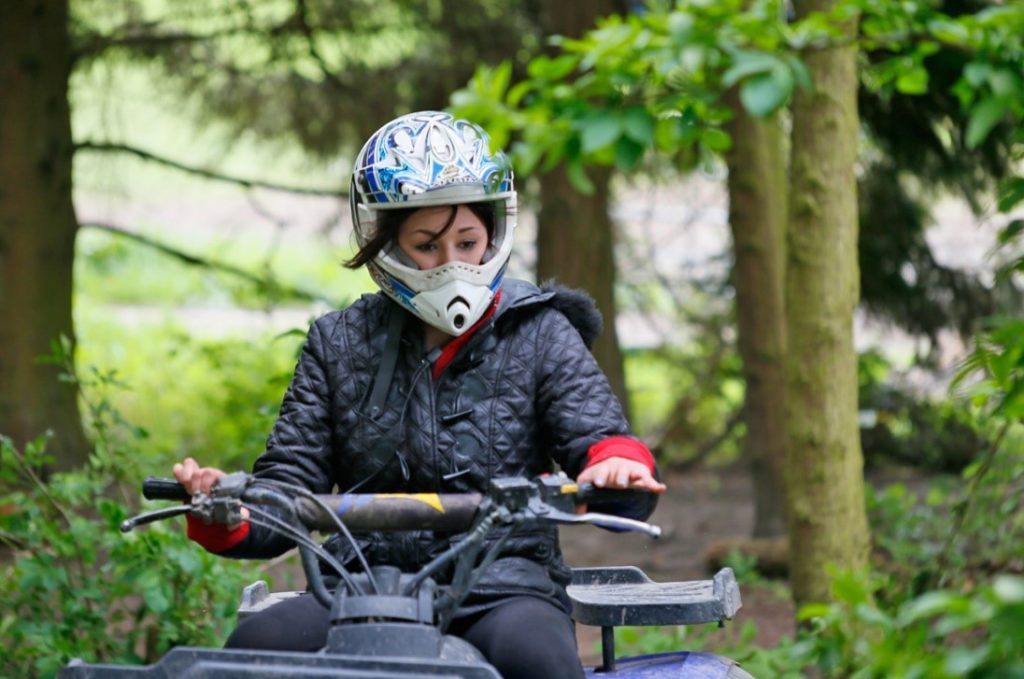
x=453, y=376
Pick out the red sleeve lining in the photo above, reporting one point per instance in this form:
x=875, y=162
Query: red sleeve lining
x=215, y=537
x=620, y=446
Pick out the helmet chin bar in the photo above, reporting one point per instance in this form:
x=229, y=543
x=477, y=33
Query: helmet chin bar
x=453, y=307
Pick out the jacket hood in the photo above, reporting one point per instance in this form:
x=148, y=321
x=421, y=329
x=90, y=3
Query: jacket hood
x=575, y=305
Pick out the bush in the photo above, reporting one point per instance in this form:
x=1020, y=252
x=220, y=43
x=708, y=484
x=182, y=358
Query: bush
x=214, y=399
x=79, y=588
x=936, y=635
x=911, y=429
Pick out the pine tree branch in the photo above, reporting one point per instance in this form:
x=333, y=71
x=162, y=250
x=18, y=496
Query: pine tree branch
x=302, y=20
x=195, y=260
x=106, y=147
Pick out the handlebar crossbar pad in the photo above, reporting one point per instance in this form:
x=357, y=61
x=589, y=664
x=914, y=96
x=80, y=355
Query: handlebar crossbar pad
x=155, y=488
x=392, y=511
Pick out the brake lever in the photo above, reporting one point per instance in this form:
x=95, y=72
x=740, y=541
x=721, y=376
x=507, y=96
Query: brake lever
x=223, y=504
x=151, y=517
x=554, y=498
x=619, y=523
x=539, y=508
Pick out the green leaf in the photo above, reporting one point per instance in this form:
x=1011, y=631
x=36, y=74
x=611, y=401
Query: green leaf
x=746, y=64
x=873, y=616
x=1005, y=83
x=811, y=611
x=800, y=73
x=628, y=153
x=638, y=125
x=947, y=31
x=962, y=661
x=927, y=605
x=983, y=117
x=517, y=92
x=1011, y=231
x=764, y=93
x=976, y=72
x=914, y=81
x=578, y=178
x=599, y=130
x=715, y=139
x=850, y=589
x=546, y=68
x=1011, y=192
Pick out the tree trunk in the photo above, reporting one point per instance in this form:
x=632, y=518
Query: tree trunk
x=37, y=227
x=575, y=235
x=575, y=245
x=757, y=218
x=824, y=464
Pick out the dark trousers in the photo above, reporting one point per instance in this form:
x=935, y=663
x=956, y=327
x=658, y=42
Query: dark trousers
x=522, y=637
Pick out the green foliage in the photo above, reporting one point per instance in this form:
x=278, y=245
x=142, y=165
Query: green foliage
x=223, y=397
x=911, y=429
x=75, y=578
x=78, y=588
x=865, y=634
x=682, y=397
x=655, y=81
x=936, y=635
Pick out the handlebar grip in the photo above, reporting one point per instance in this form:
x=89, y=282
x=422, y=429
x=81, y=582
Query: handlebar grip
x=156, y=488
x=588, y=492
x=392, y=511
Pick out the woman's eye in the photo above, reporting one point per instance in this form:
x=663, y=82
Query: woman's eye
x=467, y=244
x=426, y=247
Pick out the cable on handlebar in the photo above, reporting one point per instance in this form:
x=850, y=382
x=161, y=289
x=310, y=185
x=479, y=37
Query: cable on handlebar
x=342, y=528
x=309, y=550
x=298, y=530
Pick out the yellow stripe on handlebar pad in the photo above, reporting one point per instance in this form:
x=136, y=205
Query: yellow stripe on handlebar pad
x=569, y=488
x=431, y=499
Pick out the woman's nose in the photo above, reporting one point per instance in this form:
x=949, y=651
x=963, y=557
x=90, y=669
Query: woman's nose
x=446, y=254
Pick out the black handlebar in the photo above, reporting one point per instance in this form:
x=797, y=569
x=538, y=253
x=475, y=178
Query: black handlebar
x=452, y=512
x=156, y=488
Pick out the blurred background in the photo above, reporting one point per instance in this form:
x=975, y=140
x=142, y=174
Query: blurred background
x=174, y=214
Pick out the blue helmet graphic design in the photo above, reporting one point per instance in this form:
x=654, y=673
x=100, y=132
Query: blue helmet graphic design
x=425, y=159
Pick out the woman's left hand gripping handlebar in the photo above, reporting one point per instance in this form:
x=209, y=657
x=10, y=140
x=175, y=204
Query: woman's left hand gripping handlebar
x=198, y=479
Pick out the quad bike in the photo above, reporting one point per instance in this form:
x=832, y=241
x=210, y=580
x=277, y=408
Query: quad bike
x=389, y=624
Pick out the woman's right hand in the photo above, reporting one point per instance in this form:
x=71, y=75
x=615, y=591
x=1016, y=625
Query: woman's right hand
x=196, y=479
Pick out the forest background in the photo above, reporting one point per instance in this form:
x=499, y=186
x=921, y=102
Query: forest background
x=737, y=184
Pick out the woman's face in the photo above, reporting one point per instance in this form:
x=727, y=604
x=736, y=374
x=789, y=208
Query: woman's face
x=465, y=241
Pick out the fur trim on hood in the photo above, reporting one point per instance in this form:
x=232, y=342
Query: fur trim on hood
x=578, y=307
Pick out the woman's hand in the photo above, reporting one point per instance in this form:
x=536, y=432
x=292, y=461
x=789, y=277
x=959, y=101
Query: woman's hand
x=196, y=479
x=620, y=472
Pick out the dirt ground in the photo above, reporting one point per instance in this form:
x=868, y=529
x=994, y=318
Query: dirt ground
x=699, y=509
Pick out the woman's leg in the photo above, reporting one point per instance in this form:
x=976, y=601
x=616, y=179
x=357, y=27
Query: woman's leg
x=524, y=637
x=296, y=624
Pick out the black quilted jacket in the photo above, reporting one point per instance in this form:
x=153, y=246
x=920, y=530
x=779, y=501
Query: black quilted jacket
x=522, y=394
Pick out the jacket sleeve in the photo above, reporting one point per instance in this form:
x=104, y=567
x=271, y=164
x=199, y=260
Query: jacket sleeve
x=299, y=446
x=579, y=412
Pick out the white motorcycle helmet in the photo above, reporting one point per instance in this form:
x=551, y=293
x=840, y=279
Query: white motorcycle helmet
x=425, y=159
